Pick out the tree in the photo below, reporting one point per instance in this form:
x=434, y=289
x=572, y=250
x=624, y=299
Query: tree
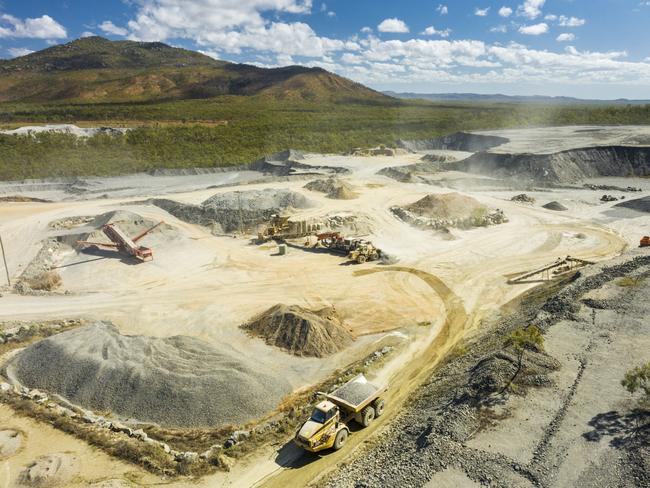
x=638, y=379
x=521, y=340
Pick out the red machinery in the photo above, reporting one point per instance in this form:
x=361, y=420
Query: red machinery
x=123, y=243
x=645, y=241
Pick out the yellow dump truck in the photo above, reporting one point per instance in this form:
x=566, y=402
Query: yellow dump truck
x=357, y=400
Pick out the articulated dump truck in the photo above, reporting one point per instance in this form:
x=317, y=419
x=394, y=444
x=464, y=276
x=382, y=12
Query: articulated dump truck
x=327, y=428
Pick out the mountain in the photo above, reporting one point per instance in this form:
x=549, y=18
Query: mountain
x=498, y=98
x=95, y=69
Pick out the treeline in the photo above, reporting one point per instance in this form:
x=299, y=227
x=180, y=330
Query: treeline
x=254, y=127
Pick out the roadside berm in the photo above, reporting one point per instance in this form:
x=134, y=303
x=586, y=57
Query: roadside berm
x=300, y=331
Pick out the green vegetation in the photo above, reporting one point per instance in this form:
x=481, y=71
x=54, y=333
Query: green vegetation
x=521, y=340
x=175, y=134
x=638, y=379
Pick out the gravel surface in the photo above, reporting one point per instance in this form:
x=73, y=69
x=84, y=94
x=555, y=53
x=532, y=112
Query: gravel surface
x=639, y=204
x=176, y=381
x=433, y=433
x=355, y=391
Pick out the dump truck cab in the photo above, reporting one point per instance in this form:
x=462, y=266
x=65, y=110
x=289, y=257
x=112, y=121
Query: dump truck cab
x=327, y=427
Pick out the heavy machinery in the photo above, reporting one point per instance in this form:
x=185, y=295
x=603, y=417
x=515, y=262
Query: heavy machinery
x=280, y=228
x=364, y=251
x=645, y=241
x=357, y=250
x=123, y=243
x=327, y=427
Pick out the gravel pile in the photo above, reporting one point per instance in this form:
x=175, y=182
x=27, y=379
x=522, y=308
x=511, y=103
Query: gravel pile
x=446, y=206
x=557, y=206
x=176, y=381
x=300, y=331
x=638, y=204
x=255, y=200
x=523, y=198
x=355, y=391
x=334, y=188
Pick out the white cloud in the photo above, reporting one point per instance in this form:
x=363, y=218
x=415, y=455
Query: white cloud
x=331, y=13
x=481, y=12
x=323, y=7
x=44, y=27
x=366, y=30
x=393, y=25
x=212, y=54
x=505, y=11
x=109, y=28
x=432, y=31
x=87, y=34
x=531, y=8
x=534, y=30
x=16, y=52
x=550, y=17
x=442, y=9
x=566, y=37
x=500, y=29
x=571, y=21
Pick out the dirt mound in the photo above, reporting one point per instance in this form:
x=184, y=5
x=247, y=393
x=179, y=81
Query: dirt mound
x=446, y=206
x=460, y=141
x=176, y=381
x=51, y=470
x=334, y=188
x=411, y=173
x=439, y=158
x=561, y=167
x=300, y=331
x=256, y=200
x=131, y=223
x=557, y=206
x=638, y=204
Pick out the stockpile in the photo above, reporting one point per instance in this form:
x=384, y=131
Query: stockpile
x=639, y=204
x=334, y=188
x=557, y=206
x=523, y=198
x=177, y=381
x=236, y=210
x=301, y=331
x=448, y=210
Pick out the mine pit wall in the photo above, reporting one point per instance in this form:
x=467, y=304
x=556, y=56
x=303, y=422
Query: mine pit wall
x=460, y=141
x=562, y=167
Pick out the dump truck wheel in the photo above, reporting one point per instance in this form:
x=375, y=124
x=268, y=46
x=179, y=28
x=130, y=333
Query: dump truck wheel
x=341, y=437
x=367, y=416
x=361, y=259
x=379, y=407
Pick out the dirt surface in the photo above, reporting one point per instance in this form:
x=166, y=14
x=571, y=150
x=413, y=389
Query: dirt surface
x=333, y=188
x=300, y=331
x=638, y=204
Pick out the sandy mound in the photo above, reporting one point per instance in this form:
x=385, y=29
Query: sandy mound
x=300, y=331
x=447, y=206
x=557, y=206
x=177, y=381
x=131, y=223
x=334, y=188
x=10, y=442
x=52, y=470
x=639, y=204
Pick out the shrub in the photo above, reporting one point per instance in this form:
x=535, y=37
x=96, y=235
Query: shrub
x=638, y=379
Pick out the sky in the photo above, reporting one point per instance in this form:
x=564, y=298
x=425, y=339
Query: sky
x=580, y=48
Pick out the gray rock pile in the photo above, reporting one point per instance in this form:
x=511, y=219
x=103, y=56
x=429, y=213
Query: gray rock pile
x=176, y=381
x=556, y=206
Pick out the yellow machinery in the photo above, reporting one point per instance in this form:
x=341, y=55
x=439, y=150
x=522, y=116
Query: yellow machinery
x=327, y=427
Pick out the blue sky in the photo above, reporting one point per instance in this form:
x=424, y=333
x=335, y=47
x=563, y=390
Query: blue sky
x=584, y=48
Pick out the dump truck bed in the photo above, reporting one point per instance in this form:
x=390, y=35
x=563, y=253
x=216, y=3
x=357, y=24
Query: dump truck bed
x=356, y=394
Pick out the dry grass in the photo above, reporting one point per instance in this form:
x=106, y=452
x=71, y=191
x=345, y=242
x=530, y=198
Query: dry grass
x=47, y=281
x=630, y=281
